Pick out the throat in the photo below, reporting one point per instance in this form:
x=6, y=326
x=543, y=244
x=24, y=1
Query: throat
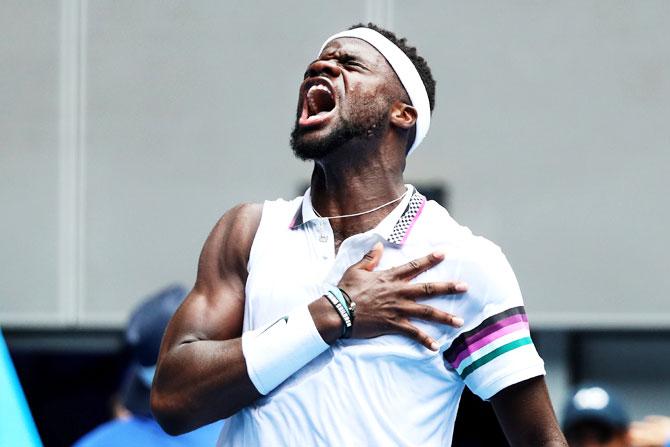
x=345, y=228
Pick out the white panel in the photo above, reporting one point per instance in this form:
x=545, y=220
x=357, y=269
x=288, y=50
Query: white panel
x=550, y=128
x=29, y=120
x=190, y=106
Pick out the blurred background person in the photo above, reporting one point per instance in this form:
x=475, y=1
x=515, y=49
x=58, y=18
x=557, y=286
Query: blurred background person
x=595, y=417
x=133, y=423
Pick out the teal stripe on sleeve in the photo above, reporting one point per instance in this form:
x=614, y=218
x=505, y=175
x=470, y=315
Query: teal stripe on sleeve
x=495, y=353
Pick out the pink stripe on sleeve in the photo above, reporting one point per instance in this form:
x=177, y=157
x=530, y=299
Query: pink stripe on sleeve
x=491, y=328
x=472, y=348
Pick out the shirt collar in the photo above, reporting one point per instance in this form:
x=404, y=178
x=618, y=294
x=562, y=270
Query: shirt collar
x=395, y=227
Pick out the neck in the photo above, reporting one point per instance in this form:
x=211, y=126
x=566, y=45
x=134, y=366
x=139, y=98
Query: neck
x=341, y=187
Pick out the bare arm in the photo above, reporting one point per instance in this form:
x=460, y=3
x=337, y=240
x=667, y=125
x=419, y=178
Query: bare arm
x=526, y=415
x=202, y=375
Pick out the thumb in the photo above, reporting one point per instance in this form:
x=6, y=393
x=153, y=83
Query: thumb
x=371, y=258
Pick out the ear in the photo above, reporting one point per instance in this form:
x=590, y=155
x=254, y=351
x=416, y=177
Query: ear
x=403, y=115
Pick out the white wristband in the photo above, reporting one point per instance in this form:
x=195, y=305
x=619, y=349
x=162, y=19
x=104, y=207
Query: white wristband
x=274, y=352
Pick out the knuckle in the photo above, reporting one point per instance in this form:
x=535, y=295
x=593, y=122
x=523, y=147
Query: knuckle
x=427, y=312
x=428, y=288
x=413, y=332
x=414, y=264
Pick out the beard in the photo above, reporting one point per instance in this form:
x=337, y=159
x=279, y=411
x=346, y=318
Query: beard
x=365, y=128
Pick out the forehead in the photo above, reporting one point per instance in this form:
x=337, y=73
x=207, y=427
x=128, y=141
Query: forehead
x=355, y=47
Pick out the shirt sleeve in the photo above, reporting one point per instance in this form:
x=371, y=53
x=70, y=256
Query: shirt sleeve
x=493, y=349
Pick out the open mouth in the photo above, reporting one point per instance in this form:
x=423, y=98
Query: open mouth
x=318, y=102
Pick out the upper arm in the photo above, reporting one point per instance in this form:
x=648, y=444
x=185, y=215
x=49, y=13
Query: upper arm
x=526, y=416
x=214, y=309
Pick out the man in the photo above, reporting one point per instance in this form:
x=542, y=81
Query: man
x=353, y=328
x=133, y=424
x=595, y=417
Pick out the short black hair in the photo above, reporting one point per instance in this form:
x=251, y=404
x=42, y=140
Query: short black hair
x=419, y=62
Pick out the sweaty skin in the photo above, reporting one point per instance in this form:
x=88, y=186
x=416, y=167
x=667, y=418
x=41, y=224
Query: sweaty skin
x=201, y=375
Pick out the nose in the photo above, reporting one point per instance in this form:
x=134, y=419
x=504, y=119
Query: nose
x=323, y=67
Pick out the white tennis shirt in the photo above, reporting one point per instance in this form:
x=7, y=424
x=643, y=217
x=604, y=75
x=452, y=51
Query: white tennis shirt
x=389, y=390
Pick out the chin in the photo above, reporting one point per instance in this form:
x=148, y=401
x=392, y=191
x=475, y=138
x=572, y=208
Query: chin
x=311, y=147
x=316, y=144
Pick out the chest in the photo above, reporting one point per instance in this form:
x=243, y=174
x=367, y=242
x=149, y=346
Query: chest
x=294, y=268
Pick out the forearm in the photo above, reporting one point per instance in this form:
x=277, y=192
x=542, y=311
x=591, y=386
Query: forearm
x=199, y=382
x=551, y=438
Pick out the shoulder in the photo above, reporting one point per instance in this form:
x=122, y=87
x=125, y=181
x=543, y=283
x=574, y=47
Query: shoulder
x=234, y=232
x=226, y=250
x=244, y=219
x=241, y=219
x=439, y=229
x=471, y=258
x=491, y=280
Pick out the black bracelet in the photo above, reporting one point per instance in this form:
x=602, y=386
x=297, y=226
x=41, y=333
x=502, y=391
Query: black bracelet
x=351, y=307
x=341, y=312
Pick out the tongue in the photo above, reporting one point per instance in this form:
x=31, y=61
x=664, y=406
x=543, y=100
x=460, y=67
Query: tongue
x=319, y=100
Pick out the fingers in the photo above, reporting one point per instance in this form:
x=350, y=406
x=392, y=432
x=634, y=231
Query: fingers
x=371, y=258
x=416, y=266
x=430, y=313
x=430, y=289
x=417, y=334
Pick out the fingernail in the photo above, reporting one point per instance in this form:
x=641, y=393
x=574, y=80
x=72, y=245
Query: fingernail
x=378, y=246
x=457, y=321
x=438, y=255
x=461, y=286
x=434, y=346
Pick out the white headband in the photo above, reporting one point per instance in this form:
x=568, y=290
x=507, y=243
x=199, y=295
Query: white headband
x=404, y=69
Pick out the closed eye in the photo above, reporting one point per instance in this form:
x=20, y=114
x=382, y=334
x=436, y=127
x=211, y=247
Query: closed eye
x=351, y=61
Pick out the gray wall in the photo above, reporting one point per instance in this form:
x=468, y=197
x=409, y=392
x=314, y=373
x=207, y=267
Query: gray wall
x=129, y=127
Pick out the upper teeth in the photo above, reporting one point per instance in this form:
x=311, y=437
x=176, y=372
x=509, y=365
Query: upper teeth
x=320, y=87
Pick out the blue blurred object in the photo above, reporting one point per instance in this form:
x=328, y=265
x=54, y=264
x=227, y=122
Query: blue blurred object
x=17, y=427
x=593, y=402
x=141, y=432
x=148, y=322
x=143, y=336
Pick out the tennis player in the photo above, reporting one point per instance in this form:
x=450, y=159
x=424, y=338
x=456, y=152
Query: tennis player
x=355, y=314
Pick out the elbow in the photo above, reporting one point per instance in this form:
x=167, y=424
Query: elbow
x=169, y=414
